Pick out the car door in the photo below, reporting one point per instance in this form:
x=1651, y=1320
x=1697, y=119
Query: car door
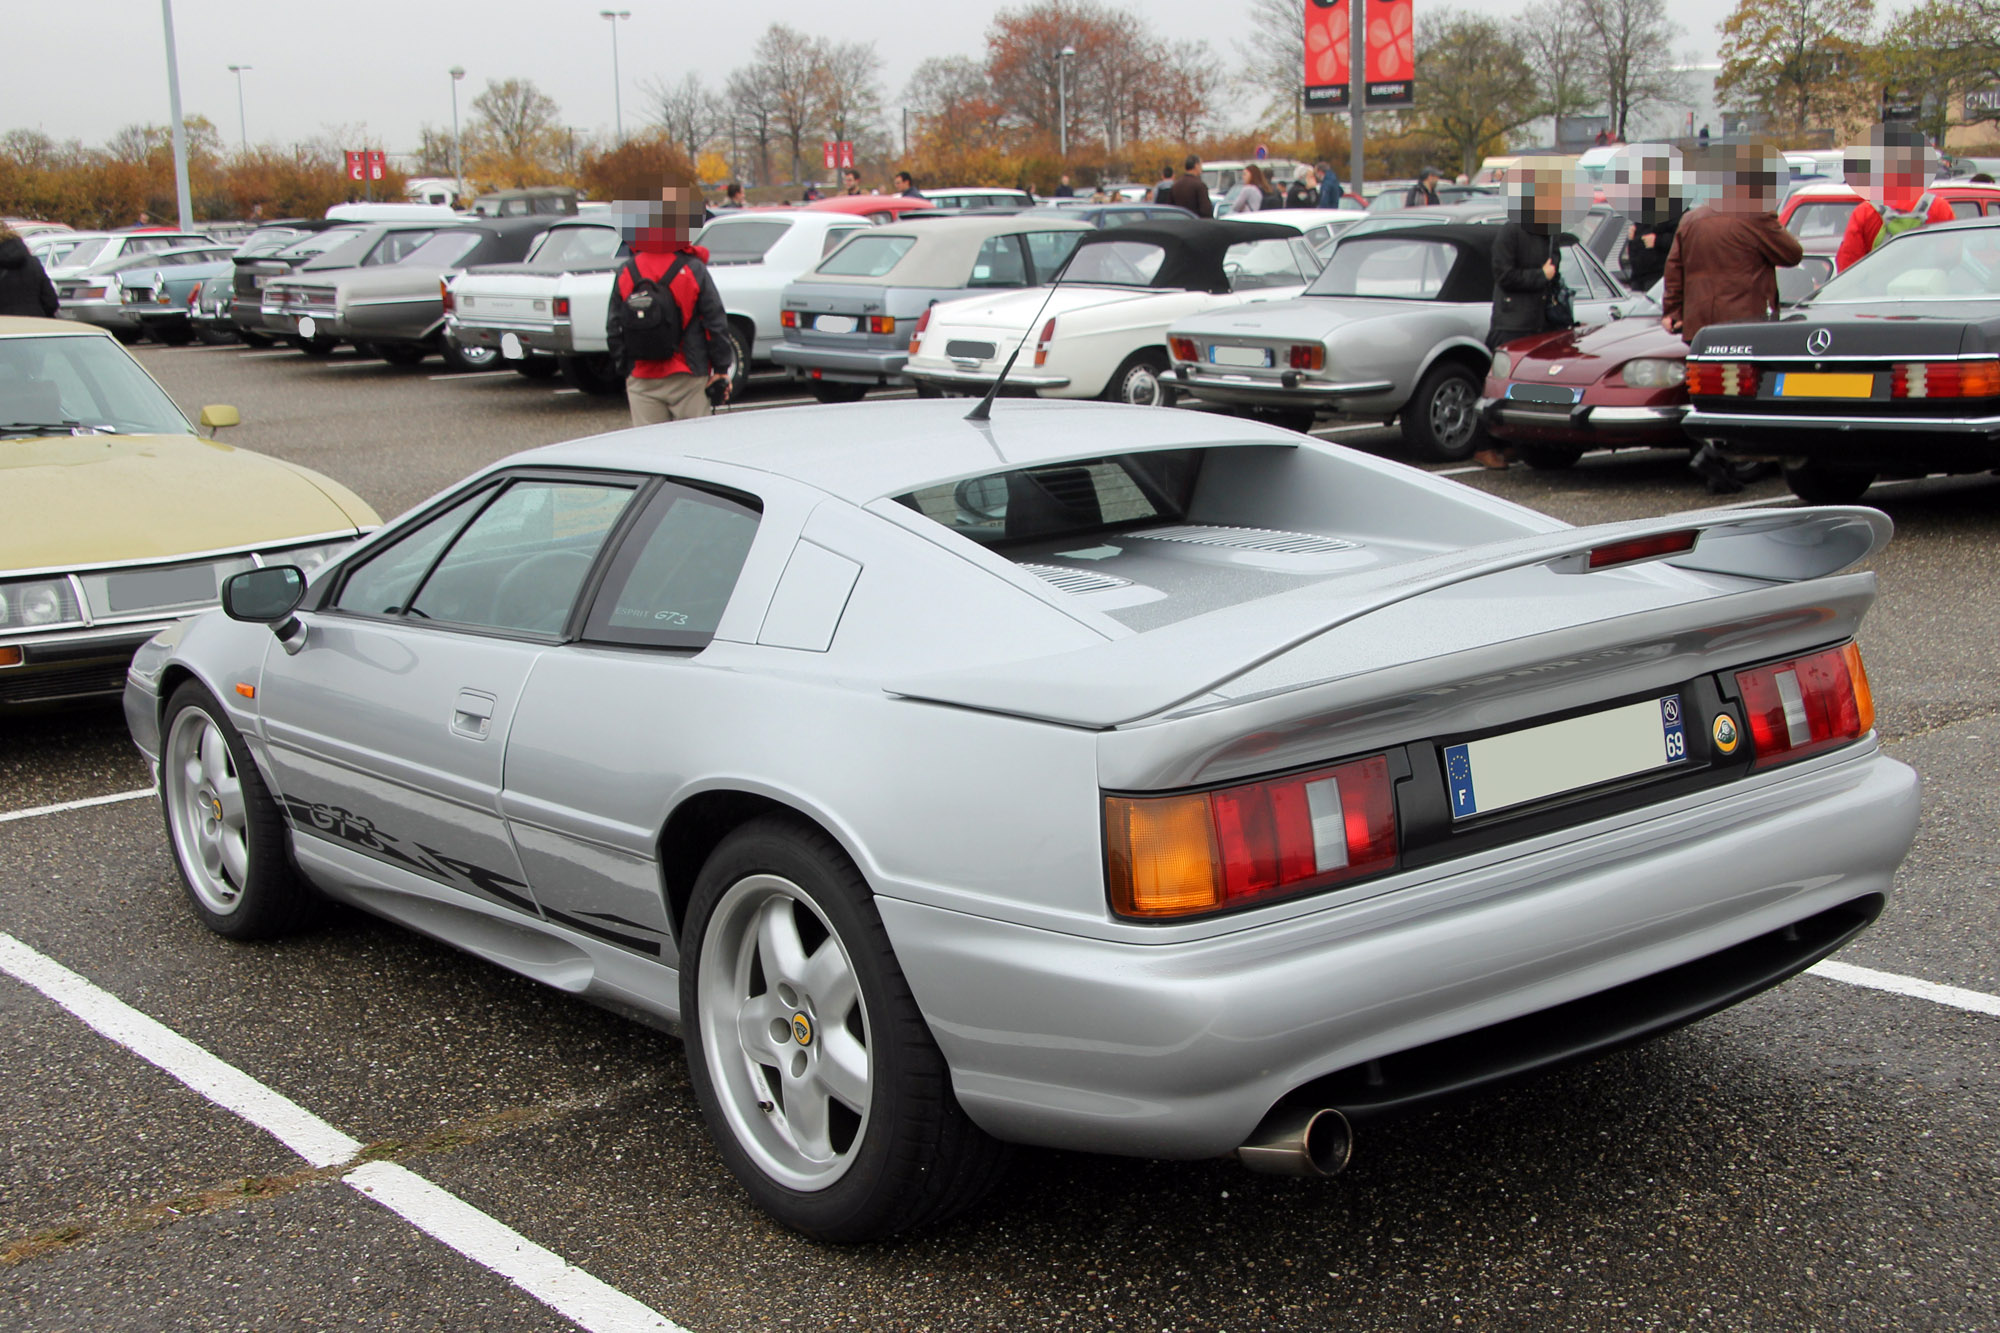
x=591, y=759
x=1598, y=297
x=388, y=728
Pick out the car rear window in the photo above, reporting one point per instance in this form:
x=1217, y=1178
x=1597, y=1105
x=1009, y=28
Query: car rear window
x=1820, y=221
x=1116, y=264
x=573, y=246
x=741, y=242
x=867, y=256
x=1397, y=268
x=1068, y=499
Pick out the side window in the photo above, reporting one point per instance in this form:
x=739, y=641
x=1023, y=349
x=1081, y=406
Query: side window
x=671, y=579
x=1048, y=250
x=384, y=583
x=1576, y=271
x=518, y=565
x=834, y=236
x=1965, y=208
x=999, y=263
x=394, y=248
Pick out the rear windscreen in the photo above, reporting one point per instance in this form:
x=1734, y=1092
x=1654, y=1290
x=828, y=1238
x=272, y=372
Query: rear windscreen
x=741, y=242
x=1066, y=499
x=867, y=256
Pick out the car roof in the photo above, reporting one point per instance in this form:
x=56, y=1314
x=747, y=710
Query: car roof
x=866, y=451
x=1471, y=278
x=946, y=247
x=24, y=326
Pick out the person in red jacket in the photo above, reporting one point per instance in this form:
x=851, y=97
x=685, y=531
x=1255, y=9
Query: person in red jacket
x=1894, y=199
x=675, y=387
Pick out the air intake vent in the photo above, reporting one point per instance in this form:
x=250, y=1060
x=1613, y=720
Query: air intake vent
x=1077, y=580
x=1247, y=539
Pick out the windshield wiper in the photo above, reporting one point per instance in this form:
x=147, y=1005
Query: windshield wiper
x=21, y=427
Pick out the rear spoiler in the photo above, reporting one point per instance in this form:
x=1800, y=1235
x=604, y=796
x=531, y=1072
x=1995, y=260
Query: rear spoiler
x=1145, y=674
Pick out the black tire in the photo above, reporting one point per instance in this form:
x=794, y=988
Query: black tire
x=215, y=336
x=249, y=339
x=915, y=1158
x=1441, y=421
x=835, y=392
x=1548, y=457
x=739, y=362
x=1141, y=381
x=925, y=389
x=266, y=897
x=593, y=373
x=536, y=367
x=128, y=336
x=173, y=335
x=466, y=360
x=403, y=354
x=1818, y=484
x=316, y=346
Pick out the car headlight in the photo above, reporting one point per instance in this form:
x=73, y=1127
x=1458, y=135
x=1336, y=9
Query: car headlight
x=1502, y=367
x=1654, y=373
x=37, y=604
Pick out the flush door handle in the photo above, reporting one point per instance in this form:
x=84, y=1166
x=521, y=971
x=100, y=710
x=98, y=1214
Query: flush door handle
x=472, y=715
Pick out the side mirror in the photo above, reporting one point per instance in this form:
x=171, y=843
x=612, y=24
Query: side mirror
x=268, y=596
x=217, y=416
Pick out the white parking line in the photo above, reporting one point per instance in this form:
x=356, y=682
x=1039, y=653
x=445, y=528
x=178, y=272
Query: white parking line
x=257, y=356
x=1915, y=987
x=88, y=801
x=568, y=1290
x=469, y=375
x=564, y=391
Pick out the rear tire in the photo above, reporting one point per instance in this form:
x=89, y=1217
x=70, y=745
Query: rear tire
x=536, y=367
x=316, y=346
x=227, y=833
x=466, y=360
x=216, y=337
x=1817, y=484
x=1441, y=420
x=739, y=362
x=593, y=373
x=1548, y=457
x=174, y=335
x=249, y=339
x=1141, y=381
x=402, y=354
x=838, y=393
x=128, y=336
x=852, y=1133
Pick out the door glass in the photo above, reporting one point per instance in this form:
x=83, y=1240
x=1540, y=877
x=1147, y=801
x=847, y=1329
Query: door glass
x=1049, y=249
x=518, y=565
x=673, y=576
x=999, y=263
x=381, y=586
x=395, y=247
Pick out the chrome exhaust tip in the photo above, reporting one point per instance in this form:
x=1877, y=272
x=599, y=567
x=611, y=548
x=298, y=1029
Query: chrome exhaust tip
x=1299, y=1141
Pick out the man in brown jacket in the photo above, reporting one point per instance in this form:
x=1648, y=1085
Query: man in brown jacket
x=1188, y=190
x=1724, y=265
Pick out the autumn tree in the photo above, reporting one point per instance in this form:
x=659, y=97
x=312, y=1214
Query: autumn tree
x=637, y=168
x=1478, y=85
x=515, y=137
x=1121, y=82
x=850, y=88
x=789, y=69
x=1800, y=62
x=1272, y=59
x=1936, y=52
x=952, y=106
x=1559, y=41
x=1182, y=98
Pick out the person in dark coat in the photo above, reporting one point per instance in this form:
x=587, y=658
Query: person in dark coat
x=1189, y=192
x=1655, y=205
x=675, y=388
x=1305, y=190
x=1526, y=262
x=1330, y=188
x=1163, y=193
x=25, y=288
x=1425, y=192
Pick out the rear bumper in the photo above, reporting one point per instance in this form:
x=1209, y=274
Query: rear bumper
x=285, y=323
x=1254, y=391
x=1531, y=956
x=104, y=314
x=802, y=362
x=538, y=339
x=1968, y=442
x=981, y=381
x=1584, y=425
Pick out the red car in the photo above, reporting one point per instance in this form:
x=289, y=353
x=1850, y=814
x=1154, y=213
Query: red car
x=1817, y=214
x=1620, y=385
x=875, y=207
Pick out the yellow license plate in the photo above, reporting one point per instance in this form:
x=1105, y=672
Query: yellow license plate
x=1799, y=384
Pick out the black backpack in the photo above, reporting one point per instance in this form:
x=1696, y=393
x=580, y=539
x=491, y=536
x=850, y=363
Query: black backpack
x=649, y=318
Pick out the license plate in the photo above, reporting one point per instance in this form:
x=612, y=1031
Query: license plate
x=836, y=323
x=144, y=589
x=510, y=346
x=308, y=326
x=1562, y=395
x=1239, y=356
x=1538, y=762
x=257, y=283
x=1803, y=384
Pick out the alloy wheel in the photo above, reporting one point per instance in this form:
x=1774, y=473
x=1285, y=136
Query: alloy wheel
x=206, y=811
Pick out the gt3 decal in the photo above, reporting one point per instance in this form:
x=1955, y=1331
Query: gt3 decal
x=361, y=832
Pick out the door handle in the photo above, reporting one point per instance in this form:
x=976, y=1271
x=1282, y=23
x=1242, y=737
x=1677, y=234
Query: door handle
x=472, y=715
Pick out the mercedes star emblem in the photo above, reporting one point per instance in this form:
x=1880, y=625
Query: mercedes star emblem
x=1818, y=341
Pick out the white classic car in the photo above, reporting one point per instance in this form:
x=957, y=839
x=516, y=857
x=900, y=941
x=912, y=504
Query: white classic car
x=1103, y=331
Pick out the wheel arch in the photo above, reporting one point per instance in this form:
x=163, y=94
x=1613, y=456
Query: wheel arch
x=1475, y=356
x=697, y=826
x=1151, y=352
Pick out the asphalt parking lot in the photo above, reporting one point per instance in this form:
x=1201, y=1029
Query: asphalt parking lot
x=1822, y=1157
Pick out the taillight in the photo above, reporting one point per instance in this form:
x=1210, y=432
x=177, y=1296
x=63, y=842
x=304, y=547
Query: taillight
x=1183, y=349
x=1177, y=856
x=1042, y=343
x=1307, y=356
x=881, y=323
x=444, y=294
x=194, y=299
x=923, y=322
x=1806, y=705
x=788, y=319
x=1944, y=379
x=1642, y=548
x=1725, y=379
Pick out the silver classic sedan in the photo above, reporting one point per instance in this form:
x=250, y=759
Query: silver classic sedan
x=1084, y=775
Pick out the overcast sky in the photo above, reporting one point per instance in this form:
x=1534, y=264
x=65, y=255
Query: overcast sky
x=82, y=69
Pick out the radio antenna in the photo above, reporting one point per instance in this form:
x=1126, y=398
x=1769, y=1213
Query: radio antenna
x=984, y=409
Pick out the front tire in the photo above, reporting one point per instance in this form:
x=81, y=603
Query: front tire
x=1820, y=485
x=834, y=391
x=227, y=832
x=1141, y=381
x=1548, y=457
x=813, y=1066
x=1441, y=420
x=174, y=335
x=739, y=363
x=403, y=354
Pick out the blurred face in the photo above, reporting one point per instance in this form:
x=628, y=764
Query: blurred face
x=644, y=223
x=1895, y=174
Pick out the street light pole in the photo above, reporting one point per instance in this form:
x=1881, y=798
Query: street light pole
x=180, y=129
x=242, y=130
x=617, y=96
x=1063, y=57
x=457, y=152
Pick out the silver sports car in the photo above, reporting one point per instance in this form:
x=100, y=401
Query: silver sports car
x=1141, y=782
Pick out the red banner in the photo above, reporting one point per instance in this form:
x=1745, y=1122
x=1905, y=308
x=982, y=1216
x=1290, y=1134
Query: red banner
x=1391, y=71
x=369, y=164
x=1326, y=54
x=838, y=152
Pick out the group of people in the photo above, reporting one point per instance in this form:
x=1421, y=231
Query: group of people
x=1313, y=187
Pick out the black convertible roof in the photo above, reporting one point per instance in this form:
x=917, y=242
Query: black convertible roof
x=1194, y=247
x=1472, y=276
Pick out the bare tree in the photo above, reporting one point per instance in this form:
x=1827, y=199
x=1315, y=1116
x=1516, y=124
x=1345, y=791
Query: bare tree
x=1480, y=86
x=1560, y=43
x=791, y=69
x=750, y=120
x=951, y=103
x=1273, y=61
x=850, y=88
x=1635, y=55
x=691, y=115
x=1182, y=96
